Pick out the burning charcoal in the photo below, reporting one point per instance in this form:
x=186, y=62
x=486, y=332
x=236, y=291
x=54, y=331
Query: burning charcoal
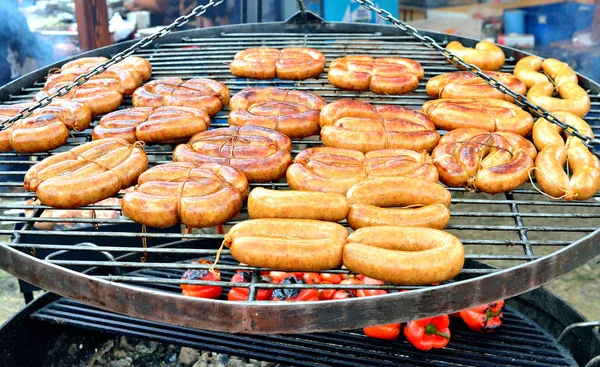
x=189, y=356
x=143, y=349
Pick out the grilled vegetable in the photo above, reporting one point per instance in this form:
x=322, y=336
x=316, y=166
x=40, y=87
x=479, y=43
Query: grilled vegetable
x=369, y=292
x=201, y=291
x=429, y=333
x=385, y=332
x=241, y=294
x=485, y=318
x=294, y=294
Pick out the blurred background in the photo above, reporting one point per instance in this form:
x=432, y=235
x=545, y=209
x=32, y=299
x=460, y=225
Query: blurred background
x=35, y=33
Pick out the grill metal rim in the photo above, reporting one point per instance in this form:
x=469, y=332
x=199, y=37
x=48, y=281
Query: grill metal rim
x=163, y=52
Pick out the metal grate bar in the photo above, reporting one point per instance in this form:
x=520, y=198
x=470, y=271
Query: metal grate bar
x=523, y=343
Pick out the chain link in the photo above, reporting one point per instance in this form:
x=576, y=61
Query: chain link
x=82, y=79
x=520, y=100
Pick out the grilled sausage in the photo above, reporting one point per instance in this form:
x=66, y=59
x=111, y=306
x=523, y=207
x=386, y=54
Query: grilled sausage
x=485, y=55
x=87, y=173
x=404, y=255
x=336, y=170
x=201, y=196
x=384, y=75
x=267, y=63
x=261, y=154
x=554, y=153
x=490, y=162
x=162, y=125
x=264, y=203
x=287, y=244
x=462, y=84
x=291, y=112
x=528, y=71
x=398, y=192
x=46, y=129
x=572, y=98
x=431, y=216
x=486, y=114
x=358, y=125
x=208, y=95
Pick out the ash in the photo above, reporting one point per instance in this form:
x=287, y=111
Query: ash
x=130, y=352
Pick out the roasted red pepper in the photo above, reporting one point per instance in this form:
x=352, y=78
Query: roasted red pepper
x=485, y=318
x=241, y=294
x=312, y=278
x=369, y=292
x=201, y=291
x=326, y=294
x=294, y=294
x=343, y=294
x=351, y=280
x=428, y=333
x=332, y=278
x=385, y=332
x=279, y=276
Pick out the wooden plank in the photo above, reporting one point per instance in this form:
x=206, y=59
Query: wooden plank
x=92, y=24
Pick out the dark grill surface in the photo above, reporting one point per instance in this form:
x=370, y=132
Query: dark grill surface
x=505, y=230
x=519, y=342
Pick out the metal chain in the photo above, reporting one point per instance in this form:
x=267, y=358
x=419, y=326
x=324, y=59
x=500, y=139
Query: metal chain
x=520, y=100
x=82, y=79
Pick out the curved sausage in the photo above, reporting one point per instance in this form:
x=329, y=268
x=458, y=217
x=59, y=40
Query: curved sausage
x=384, y=75
x=291, y=112
x=398, y=192
x=485, y=55
x=430, y=216
x=287, y=244
x=572, y=99
x=527, y=71
x=404, y=255
x=268, y=63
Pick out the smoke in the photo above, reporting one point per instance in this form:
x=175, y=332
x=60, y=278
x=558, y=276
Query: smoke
x=17, y=43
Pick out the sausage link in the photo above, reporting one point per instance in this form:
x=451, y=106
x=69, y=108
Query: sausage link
x=430, y=216
x=398, y=192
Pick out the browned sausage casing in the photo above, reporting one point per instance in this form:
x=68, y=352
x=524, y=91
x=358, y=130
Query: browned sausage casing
x=261, y=154
x=269, y=63
x=462, y=84
x=555, y=150
x=336, y=170
x=291, y=112
x=206, y=94
x=479, y=160
x=264, y=203
x=358, y=125
x=431, y=216
x=87, y=173
x=485, y=55
x=486, y=114
x=199, y=196
x=287, y=244
x=572, y=99
x=152, y=125
x=46, y=129
x=529, y=68
x=404, y=255
x=383, y=75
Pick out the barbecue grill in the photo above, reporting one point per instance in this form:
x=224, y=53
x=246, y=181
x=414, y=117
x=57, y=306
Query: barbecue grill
x=529, y=238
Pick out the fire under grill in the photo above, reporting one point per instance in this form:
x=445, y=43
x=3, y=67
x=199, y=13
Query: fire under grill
x=529, y=238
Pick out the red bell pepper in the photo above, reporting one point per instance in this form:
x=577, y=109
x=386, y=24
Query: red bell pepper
x=370, y=292
x=485, y=318
x=312, y=278
x=332, y=278
x=241, y=293
x=385, y=332
x=343, y=294
x=429, y=333
x=279, y=276
x=351, y=280
x=201, y=291
x=326, y=294
x=294, y=294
